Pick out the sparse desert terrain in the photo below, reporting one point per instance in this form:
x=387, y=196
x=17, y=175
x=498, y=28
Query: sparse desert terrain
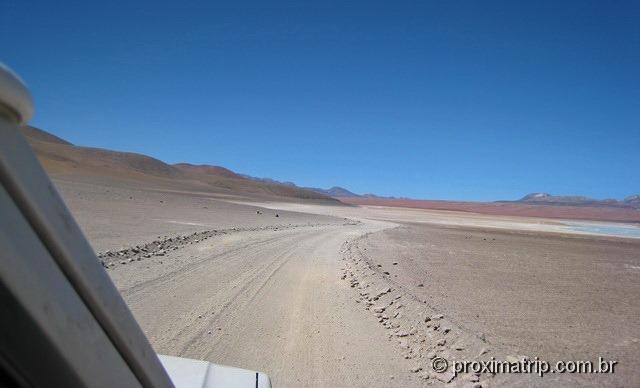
x=600, y=213
x=317, y=293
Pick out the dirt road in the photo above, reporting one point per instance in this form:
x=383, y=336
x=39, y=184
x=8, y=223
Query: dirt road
x=318, y=295
x=272, y=301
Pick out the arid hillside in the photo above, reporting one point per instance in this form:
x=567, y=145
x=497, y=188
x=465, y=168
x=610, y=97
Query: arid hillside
x=208, y=170
x=64, y=160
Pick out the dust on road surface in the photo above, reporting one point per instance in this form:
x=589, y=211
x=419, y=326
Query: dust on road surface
x=264, y=300
x=313, y=297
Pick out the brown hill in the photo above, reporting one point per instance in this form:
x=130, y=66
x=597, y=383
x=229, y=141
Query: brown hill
x=64, y=160
x=33, y=133
x=206, y=169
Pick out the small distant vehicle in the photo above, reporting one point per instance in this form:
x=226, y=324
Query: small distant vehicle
x=62, y=321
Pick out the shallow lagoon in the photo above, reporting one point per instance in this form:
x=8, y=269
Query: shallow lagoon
x=606, y=229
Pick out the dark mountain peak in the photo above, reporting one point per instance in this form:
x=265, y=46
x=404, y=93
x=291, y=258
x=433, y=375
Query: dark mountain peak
x=578, y=200
x=633, y=199
x=535, y=197
x=545, y=197
x=337, y=191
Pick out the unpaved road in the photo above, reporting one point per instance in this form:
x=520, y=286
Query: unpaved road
x=272, y=301
x=346, y=296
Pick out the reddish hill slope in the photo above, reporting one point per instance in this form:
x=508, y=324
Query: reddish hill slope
x=208, y=170
x=63, y=159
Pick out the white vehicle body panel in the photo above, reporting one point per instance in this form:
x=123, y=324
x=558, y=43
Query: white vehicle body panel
x=186, y=373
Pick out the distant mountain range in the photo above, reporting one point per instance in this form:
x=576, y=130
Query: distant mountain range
x=533, y=198
x=335, y=191
x=341, y=192
x=577, y=200
x=61, y=157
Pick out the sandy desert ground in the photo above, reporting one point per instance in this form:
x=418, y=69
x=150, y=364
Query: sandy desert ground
x=362, y=296
x=521, y=209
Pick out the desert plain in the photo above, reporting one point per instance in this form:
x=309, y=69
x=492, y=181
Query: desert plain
x=316, y=292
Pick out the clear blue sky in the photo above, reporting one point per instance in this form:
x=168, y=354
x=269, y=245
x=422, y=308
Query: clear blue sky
x=446, y=100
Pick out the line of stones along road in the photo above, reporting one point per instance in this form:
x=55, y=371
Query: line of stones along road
x=421, y=332
x=164, y=244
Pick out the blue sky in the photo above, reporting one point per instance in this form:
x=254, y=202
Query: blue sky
x=443, y=100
